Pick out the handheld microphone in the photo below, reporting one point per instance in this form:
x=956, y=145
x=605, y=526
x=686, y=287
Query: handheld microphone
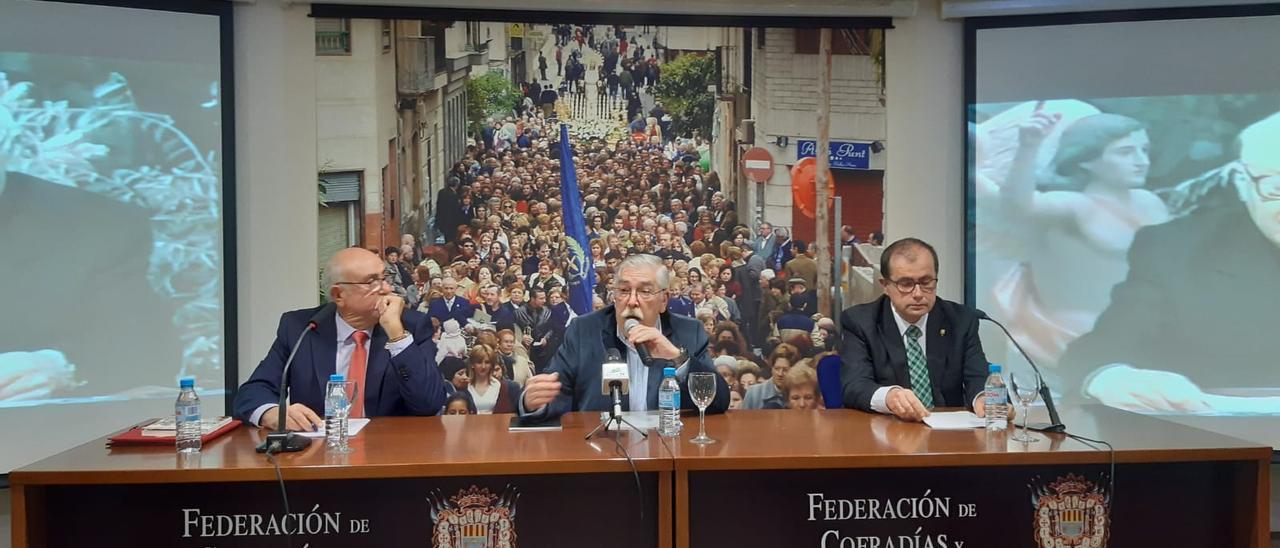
x=640, y=348
x=1055, y=423
x=615, y=379
x=282, y=440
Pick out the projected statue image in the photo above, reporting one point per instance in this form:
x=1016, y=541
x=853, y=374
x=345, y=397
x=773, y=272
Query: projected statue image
x=1191, y=328
x=1075, y=235
x=110, y=219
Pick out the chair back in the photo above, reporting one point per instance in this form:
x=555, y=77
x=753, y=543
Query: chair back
x=829, y=382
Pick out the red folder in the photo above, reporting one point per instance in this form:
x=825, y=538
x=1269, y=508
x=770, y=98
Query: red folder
x=133, y=436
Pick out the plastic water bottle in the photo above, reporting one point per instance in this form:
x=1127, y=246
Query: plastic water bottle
x=334, y=415
x=669, y=424
x=996, y=398
x=186, y=413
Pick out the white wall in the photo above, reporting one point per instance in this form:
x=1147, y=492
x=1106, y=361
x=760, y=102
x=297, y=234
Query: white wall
x=275, y=169
x=689, y=38
x=924, y=182
x=355, y=108
x=786, y=101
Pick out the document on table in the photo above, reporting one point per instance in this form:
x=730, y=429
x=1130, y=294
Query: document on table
x=643, y=420
x=954, y=420
x=353, y=427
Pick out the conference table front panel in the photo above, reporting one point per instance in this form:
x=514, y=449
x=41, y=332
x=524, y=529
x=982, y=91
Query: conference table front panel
x=436, y=481
x=847, y=479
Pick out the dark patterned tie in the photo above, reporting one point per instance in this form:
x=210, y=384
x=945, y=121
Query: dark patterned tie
x=918, y=367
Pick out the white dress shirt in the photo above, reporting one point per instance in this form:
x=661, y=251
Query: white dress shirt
x=487, y=400
x=346, y=347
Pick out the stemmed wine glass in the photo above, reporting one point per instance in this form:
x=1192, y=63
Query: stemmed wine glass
x=702, y=388
x=1026, y=387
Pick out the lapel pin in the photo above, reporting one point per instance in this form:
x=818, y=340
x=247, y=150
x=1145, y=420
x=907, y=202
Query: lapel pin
x=942, y=333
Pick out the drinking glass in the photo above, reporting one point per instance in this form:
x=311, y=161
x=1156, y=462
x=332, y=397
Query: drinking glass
x=1025, y=387
x=350, y=391
x=702, y=388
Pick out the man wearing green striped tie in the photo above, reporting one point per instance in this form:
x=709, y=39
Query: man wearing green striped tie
x=909, y=351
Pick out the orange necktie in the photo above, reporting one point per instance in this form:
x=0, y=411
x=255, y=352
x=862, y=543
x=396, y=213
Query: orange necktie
x=359, y=361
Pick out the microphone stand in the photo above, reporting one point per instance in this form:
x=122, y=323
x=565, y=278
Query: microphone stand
x=282, y=440
x=1055, y=423
x=615, y=414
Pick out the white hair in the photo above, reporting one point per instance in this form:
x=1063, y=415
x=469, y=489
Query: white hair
x=647, y=261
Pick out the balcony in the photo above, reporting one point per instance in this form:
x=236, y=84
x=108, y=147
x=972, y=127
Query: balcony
x=333, y=42
x=465, y=59
x=415, y=65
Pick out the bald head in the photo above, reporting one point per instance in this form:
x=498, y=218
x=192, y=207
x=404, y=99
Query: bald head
x=344, y=263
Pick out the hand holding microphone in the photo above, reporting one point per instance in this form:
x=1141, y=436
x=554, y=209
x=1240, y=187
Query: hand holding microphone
x=649, y=341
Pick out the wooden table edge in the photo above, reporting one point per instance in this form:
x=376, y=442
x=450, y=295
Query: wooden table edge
x=320, y=473
x=1262, y=455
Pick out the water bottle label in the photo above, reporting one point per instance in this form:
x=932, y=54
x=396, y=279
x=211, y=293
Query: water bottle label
x=668, y=399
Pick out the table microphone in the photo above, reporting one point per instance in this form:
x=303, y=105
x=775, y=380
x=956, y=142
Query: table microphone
x=1055, y=423
x=282, y=440
x=640, y=348
x=615, y=379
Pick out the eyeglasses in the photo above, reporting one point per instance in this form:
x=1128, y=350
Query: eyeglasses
x=622, y=294
x=1267, y=186
x=371, y=285
x=908, y=285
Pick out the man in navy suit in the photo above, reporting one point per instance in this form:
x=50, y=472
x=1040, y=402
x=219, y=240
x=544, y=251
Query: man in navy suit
x=449, y=306
x=371, y=336
x=572, y=381
x=909, y=351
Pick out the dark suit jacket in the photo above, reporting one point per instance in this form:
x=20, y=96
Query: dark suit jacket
x=73, y=267
x=1200, y=300
x=461, y=312
x=579, y=357
x=407, y=384
x=872, y=353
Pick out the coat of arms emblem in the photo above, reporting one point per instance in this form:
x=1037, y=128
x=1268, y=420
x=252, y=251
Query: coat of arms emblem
x=474, y=518
x=1070, y=512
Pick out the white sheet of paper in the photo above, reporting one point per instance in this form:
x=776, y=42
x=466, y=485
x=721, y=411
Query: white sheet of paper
x=354, y=426
x=644, y=420
x=954, y=420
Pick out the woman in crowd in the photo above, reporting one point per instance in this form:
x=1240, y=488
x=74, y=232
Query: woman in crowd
x=458, y=404
x=748, y=374
x=487, y=393
x=455, y=371
x=728, y=332
x=800, y=391
x=780, y=361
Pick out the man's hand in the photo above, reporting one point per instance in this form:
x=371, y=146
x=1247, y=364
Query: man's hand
x=1148, y=391
x=33, y=375
x=659, y=346
x=298, y=417
x=540, y=390
x=390, y=308
x=905, y=405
